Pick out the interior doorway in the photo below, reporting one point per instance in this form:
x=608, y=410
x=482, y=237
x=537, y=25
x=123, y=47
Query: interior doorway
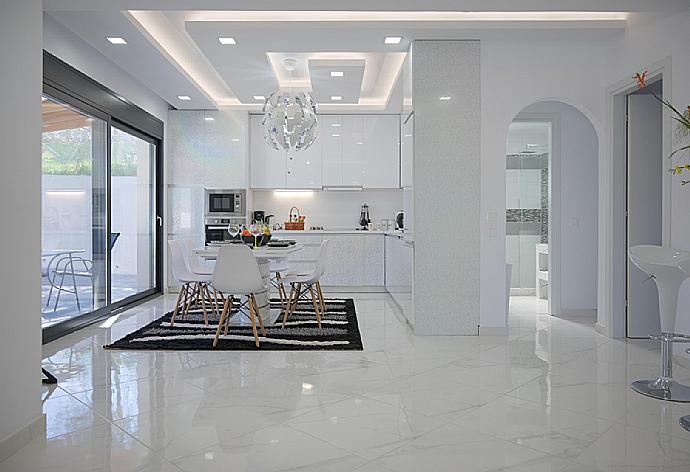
x=552, y=212
x=646, y=166
x=528, y=201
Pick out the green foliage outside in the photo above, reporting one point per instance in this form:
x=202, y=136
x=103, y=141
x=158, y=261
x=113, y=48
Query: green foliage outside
x=68, y=152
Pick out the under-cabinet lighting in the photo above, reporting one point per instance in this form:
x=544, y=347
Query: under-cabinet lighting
x=343, y=188
x=226, y=40
x=291, y=193
x=116, y=40
x=66, y=193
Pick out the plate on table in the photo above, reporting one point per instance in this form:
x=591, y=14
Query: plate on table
x=279, y=244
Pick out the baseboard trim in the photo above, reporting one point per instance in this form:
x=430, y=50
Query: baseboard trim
x=493, y=331
x=578, y=313
x=24, y=436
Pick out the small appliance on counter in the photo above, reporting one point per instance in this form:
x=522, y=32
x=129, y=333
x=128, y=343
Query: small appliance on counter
x=260, y=216
x=400, y=220
x=364, y=220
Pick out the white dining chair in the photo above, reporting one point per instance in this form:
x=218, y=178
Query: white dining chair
x=194, y=286
x=279, y=268
x=310, y=283
x=237, y=273
x=195, y=262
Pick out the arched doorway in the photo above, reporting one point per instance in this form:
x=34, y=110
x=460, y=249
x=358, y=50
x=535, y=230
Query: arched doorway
x=552, y=158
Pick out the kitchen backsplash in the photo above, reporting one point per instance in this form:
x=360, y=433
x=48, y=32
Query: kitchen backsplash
x=332, y=210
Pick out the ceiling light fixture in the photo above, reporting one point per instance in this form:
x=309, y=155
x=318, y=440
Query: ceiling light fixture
x=209, y=118
x=335, y=124
x=290, y=118
x=184, y=97
x=336, y=73
x=444, y=98
x=336, y=98
x=226, y=40
x=259, y=97
x=235, y=140
x=116, y=40
x=392, y=40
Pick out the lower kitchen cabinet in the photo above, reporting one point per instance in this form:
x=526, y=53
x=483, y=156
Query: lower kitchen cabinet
x=399, y=262
x=353, y=260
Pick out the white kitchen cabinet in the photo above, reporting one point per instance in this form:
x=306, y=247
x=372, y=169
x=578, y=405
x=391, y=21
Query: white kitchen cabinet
x=185, y=157
x=399, y=273
x=331, y=136
x=381, y=151
x=268, y=165
x=407, y=151
x=225, y=149
x=353, y=150
x=304, y=167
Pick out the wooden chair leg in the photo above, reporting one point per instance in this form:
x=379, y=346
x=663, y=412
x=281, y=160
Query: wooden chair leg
x=202, y=294
x=211, y=301
x=177, y=305
x=258, y=315
x=281, y=290
x=286, y=313
x=227, y=318
x=251, y=317
x=321, y=298
x=317, y=307
x=220, y=323
x=190, y=299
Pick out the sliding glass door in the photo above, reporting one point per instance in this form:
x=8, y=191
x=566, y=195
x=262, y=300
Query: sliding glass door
x=100, y=224
x=133, y=214
x=74, y=193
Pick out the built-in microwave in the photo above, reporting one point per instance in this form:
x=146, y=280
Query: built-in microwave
x=225, y=203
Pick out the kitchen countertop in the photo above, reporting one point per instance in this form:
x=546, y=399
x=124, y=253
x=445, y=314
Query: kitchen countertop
x=283, y=232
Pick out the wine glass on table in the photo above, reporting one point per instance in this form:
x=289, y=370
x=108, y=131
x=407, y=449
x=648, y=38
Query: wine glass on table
x=233, y=230
x=255, y=230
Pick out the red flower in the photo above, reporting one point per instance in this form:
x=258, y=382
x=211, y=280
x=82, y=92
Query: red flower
x=641, y=80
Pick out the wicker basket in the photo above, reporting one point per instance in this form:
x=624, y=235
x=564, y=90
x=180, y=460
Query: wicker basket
x=294, y=225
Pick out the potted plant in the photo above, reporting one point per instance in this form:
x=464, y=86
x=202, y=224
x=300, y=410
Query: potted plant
x=682, y=125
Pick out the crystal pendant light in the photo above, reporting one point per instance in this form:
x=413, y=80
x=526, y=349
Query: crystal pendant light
x=290, y=117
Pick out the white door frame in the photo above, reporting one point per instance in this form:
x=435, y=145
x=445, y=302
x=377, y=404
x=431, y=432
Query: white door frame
x=554, y=205
x=613, y=201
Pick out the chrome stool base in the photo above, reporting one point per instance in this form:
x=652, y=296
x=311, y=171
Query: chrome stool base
x=685, y=422
x=674, y=392
x=665, y=388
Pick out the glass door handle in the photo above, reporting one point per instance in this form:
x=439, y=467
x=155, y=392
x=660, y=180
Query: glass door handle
x=160, y=221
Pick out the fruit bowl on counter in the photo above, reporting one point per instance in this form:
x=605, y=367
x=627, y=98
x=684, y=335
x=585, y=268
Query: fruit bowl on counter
x=261, y=240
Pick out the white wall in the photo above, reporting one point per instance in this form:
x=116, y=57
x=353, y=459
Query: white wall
x=20, y=210
x=332, y=210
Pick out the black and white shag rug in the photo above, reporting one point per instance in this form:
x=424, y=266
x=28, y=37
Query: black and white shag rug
x=339, y=331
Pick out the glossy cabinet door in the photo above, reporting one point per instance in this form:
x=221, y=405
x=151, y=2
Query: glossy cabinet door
x=331, y=136
x=185, y=157
x=353, y=149
x=304, y=167
x=225, y=149
x=268, y=166
x=381, y=151
x=407, y=151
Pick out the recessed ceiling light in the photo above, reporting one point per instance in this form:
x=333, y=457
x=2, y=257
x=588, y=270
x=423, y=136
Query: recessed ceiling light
x=335, y=124
x=336, y=73
x=444, y=97
x=116, y=40
x=235, y=140
x=209, y=118
x=336, y=98
x=184, y=97
x=259, y=97
x=392, y=40
x=227, y=40
x=335, y=135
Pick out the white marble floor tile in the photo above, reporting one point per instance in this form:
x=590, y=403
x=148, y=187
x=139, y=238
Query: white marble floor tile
x=551, y=395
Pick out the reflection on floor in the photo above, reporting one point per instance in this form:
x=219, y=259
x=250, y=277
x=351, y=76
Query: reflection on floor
x=552, y=395
x=528, y=305
x=56, y=310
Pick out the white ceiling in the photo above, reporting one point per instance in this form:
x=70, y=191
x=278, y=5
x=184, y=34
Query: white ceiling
x=173, y=46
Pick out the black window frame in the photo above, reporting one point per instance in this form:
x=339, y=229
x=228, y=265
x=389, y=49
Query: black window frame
x=70, y=86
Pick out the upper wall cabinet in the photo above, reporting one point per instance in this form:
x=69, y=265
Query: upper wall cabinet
x=351, y=150
x=268, y=165
x=225, y=149
x=207, y=149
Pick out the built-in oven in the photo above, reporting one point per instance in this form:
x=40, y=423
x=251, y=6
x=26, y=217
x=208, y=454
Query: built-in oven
x=216, y=229
x=225, y=203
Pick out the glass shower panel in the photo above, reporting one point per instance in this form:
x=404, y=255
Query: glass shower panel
x=527, y=204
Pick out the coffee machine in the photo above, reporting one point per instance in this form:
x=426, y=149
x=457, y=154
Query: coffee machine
x=364, y=219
